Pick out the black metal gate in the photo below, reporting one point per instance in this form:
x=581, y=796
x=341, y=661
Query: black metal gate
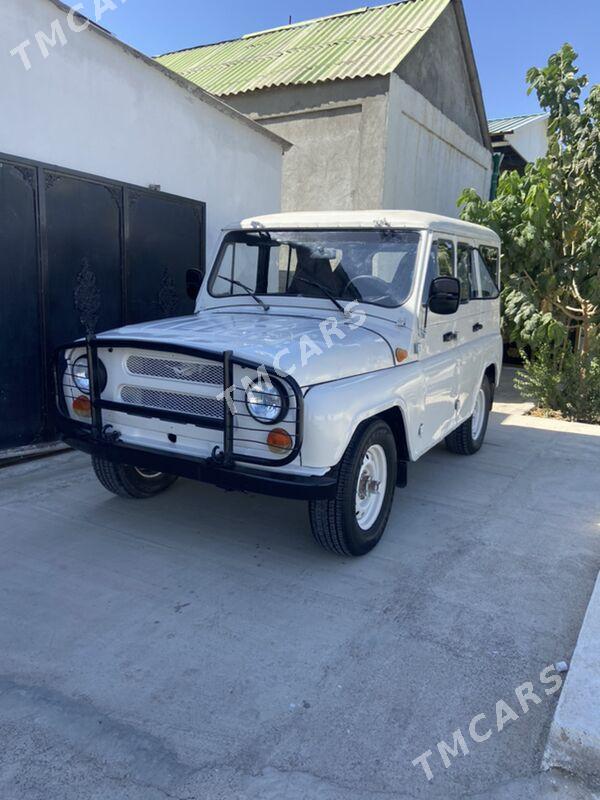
x=79, y=254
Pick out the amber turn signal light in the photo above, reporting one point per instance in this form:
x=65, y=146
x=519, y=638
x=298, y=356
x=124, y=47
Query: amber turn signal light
x=82, y=406
x=401, y=355
x=279, y=441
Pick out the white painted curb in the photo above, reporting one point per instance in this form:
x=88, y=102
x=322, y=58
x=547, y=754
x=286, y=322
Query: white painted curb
x=574, y=740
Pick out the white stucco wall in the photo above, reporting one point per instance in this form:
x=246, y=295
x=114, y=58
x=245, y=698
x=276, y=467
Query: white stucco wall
x=531, y=140
x=95, y=106
x=429, y=159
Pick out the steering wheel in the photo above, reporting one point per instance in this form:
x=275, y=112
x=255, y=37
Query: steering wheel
x=375, y=285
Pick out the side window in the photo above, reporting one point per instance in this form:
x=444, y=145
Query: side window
x=475, y=278
x=483, y=286
x=441, y=265
x=464, y=272
x=446, y=259
x=489, y=260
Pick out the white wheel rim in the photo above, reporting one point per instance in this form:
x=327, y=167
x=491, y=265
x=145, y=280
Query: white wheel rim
x=371, y=487
x=478, y=415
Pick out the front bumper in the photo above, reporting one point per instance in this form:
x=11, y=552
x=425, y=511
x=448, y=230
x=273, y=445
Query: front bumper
x=230, y=478
x=226, y=467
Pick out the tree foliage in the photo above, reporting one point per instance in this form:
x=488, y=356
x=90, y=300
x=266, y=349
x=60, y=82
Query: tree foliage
x=549, y=222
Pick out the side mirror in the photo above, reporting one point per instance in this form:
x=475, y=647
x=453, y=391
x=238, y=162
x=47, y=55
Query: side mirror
x=444, y=296
x=194, y=280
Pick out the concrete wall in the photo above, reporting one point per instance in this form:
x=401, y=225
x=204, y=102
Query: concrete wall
x=429, y=158
x=338, y=130
x=437, y=69
x=94, y=105
x=379, y=143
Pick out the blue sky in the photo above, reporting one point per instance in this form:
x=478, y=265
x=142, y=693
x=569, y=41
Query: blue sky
x=508, y=37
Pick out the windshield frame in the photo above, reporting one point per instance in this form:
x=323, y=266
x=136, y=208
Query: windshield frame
x=284, y=299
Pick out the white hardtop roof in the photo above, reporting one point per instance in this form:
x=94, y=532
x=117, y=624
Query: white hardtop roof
x=347, y=220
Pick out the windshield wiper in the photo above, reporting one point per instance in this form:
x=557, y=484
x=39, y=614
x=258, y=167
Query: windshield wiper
x=326, y=292
x=243, y=286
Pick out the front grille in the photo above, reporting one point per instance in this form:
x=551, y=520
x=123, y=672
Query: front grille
x=183, y=388
x=187, y=371
x=173, y=401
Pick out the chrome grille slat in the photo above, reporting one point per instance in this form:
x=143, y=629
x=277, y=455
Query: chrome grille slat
x=172, y=401
x=171, y=369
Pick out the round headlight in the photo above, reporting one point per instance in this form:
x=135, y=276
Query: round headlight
x=266, y=403
x=81, y=375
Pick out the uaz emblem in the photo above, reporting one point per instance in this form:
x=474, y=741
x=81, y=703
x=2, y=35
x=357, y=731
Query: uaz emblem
x=185, y=370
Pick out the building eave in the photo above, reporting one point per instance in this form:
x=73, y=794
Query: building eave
x=191, y=88
x=474, y=80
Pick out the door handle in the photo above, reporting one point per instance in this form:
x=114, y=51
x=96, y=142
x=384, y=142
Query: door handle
x=451, y=336
x=478, y=327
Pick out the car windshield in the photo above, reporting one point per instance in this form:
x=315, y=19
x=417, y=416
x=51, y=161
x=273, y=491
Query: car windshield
x=370, y=266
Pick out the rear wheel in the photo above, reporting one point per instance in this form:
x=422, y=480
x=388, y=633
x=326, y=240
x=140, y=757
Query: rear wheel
x=468, y=439
x=131, y=482
x=353, y=523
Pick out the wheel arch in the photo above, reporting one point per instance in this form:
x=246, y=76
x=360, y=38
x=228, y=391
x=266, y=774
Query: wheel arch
x=394, y=417
x=336, y=412
x=491, y=372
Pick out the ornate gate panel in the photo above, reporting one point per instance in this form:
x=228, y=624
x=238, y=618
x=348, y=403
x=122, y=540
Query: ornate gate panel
x=21, y=362
x=164, y=238
x=80, y=254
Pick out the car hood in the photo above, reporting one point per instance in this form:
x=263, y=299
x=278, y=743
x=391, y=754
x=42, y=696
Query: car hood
x=294, y=344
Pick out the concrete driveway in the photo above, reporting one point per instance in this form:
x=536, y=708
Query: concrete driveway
x=199, y=645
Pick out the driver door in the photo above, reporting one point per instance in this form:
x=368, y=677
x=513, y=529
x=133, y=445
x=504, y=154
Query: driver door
x=438, y=352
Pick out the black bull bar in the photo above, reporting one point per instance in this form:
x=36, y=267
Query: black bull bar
x=224, y=467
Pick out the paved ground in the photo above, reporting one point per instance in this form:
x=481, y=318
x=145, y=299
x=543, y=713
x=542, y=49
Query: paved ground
x=200, y=646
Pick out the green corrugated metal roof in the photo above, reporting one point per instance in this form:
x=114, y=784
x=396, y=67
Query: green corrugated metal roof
x=511, y=124
x=358, y=44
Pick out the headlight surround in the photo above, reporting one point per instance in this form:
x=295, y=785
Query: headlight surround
x=81, y=375
x=266, y=403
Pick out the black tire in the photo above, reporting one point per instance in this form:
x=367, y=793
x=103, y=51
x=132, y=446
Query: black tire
x=461, y=441
x=334, y=522
x=130, y=482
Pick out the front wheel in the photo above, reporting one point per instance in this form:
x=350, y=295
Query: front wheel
x=131, y=482
x=353, y=523
x=468, y=439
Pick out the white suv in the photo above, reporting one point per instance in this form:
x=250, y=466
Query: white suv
x=327, y=351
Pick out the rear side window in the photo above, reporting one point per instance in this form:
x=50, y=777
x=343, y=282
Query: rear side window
x=441, y=264
x=491, y=258
x=465, y=272
x=484, y=271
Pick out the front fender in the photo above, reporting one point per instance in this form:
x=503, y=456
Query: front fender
x=333, y=411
